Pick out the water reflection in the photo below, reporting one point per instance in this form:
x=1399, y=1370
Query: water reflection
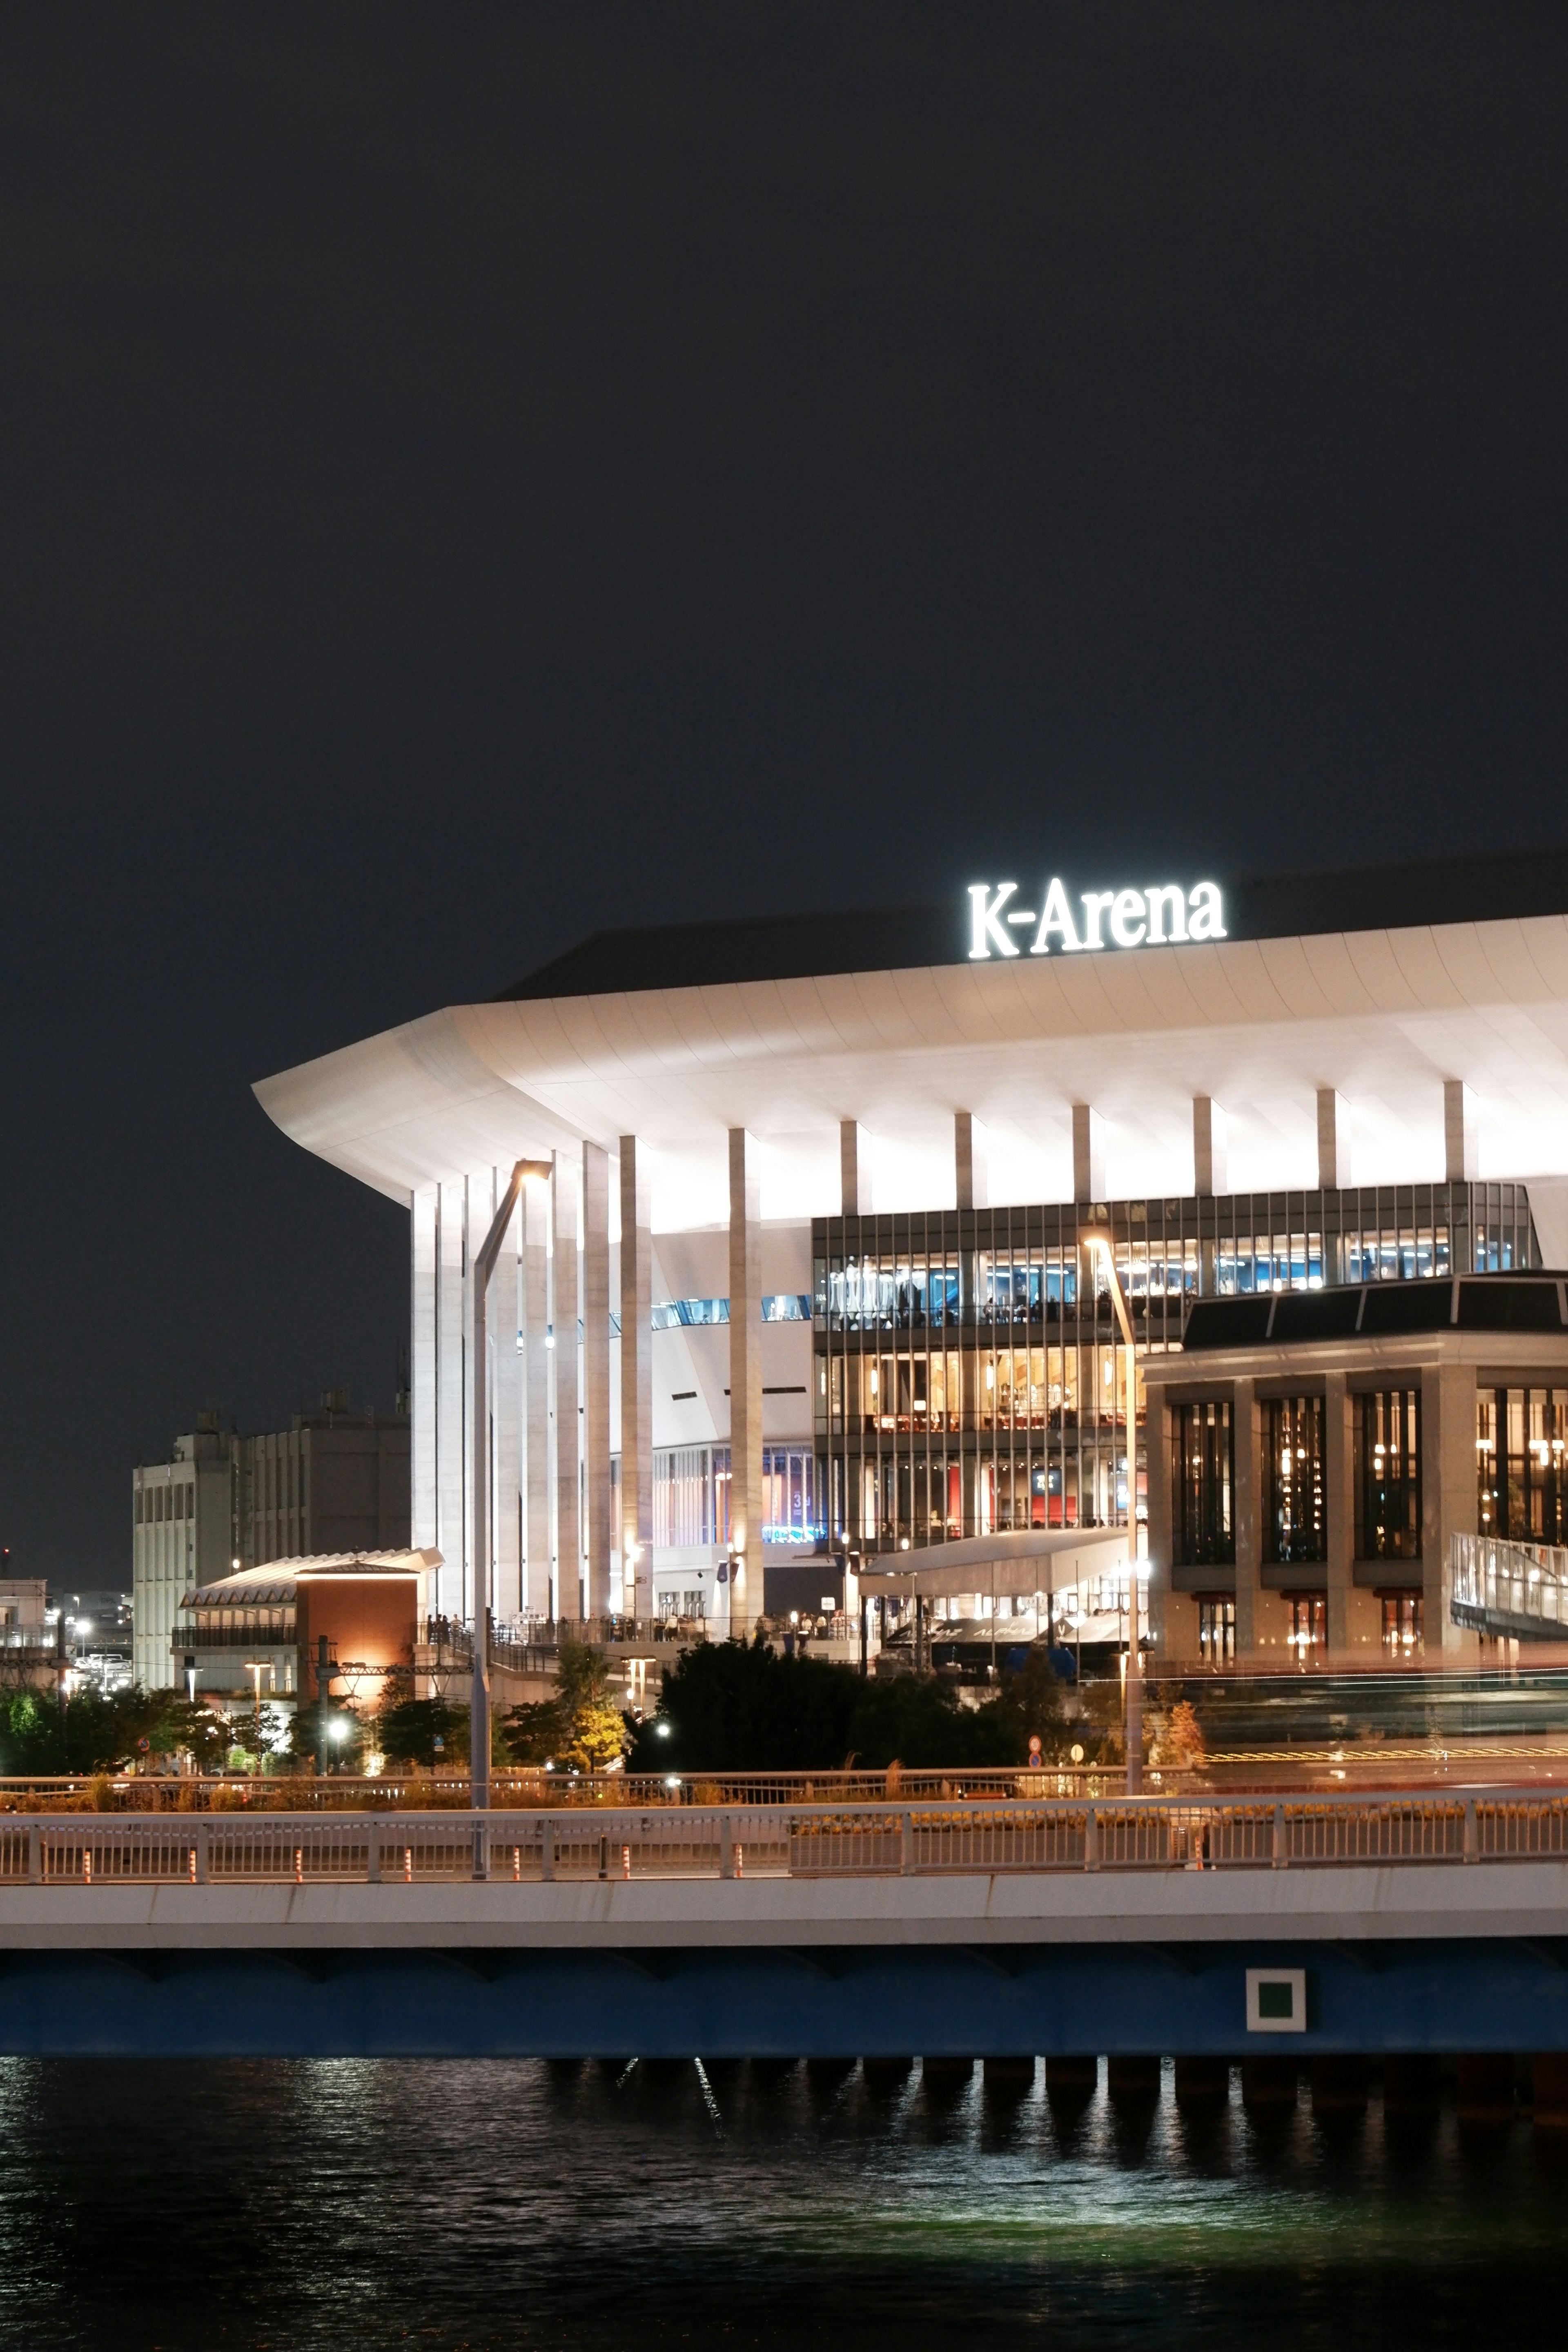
x=355, y=2204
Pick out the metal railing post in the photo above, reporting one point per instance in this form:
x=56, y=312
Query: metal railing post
x=726, y=1847
x=1091, y=1839
x=906, y=1844
x=1472, y=1831
x=547, y=1848
x=204, y=1851
x=373, y=1856
x=1281, y=1852
x=34, y=1854
x=481, y=1848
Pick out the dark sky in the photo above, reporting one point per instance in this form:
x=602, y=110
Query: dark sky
x=472, y=475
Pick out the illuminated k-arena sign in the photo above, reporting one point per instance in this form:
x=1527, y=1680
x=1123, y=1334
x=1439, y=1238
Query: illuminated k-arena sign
x=1110, y=919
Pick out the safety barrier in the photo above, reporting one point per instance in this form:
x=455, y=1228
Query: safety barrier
x=818, y=1842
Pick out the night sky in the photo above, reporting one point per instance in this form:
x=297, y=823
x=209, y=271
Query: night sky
x=471, y=475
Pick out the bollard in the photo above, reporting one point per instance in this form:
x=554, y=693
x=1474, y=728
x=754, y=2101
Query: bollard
x=1472, y=1831
x=517, y=1865
x=547, y=1849
x=604, y=1854
x=1091, y=1840
x=481, y=1848
x=626, y=1862
x=726, y=1848
x=409, y=1865
x=201, y=1854
x=373, y=1856
x=299, y=1865
x=906, y=1844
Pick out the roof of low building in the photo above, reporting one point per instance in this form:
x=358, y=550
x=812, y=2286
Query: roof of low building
x=274, y=1584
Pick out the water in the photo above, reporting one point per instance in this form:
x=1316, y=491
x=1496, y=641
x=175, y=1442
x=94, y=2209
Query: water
x=351, y=2204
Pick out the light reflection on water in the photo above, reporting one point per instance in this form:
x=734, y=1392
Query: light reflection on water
x=355, y=2203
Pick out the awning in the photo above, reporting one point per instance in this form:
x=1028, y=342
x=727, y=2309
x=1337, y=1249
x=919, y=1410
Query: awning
x=1032, y=1559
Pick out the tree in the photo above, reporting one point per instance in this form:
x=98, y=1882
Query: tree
x=580, y=1729
x=95, y=1732
x=729, y=1708
x=328, y=1726
x=409, y=1730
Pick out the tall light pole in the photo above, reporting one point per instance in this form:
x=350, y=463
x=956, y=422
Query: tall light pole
x=480, y=1704
x=1098, y=1247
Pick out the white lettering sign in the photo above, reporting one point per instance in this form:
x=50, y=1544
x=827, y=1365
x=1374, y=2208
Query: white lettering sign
x=1120, y=919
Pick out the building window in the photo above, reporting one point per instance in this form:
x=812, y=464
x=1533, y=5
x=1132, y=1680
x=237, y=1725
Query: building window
x=1404, y=1629
x=789, y=1491
x=1203, y=1480
x=1308, y=1613
x=1216, y=1629
x=1521, y=1439
x=1388, y=1474
x=1294, y=1476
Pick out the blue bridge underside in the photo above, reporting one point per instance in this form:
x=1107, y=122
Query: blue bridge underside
x=927, y=2002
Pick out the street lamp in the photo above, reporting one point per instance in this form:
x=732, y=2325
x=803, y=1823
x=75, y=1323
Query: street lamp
x=480, y=1704
x=1098, y=1247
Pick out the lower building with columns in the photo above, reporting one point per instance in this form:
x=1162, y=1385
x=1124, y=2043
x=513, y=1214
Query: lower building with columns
x=812, y=1267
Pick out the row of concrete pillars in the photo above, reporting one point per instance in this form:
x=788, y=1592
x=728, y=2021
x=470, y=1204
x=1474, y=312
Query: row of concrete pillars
x=1485, y=2087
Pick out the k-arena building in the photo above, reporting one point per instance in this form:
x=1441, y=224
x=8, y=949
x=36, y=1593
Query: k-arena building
x=818, y=1284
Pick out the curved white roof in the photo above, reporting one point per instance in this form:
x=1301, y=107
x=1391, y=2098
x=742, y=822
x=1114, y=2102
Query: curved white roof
x=1384, y=1016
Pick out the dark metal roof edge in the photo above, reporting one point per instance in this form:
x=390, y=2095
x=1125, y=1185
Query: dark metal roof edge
x=1310, y=904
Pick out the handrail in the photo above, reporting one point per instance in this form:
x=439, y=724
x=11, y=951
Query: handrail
x=845, y=1840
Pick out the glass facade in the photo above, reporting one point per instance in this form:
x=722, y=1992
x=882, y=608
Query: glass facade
x=1388, y=1474
x=1309, y=1615
x=691, y=1494
x=1403, y=1623
x=969, y=1375
x=1295, y=1524
x=1522, y=1436
x=1216, y=1629
x=789, y=1495
x=1202, y=1481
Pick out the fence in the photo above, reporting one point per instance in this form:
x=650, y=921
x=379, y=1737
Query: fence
x=786, y=1841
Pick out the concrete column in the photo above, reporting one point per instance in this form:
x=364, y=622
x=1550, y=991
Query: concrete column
x=505, y=1386
x=1157, y=1453
x=536, y=1355
x=1088, y=1154
x=1209, y=1140
x=745, y=1380
x=1333, y=1140
x=1450, y=1502
x=422, y=1370
x=853, y=1169
x=637, y=1369
x=564, y=1319
x=971, y=1161
x=597, y=1376
x=1461, y=1159
x=1339, y=1456
x=451, y=1385
x=1247, y=1425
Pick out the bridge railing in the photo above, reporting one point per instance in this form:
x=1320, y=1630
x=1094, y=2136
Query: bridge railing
x=914, y=1838
x=1498, y=1584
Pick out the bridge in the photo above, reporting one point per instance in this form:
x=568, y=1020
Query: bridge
x=1511, y=1591
x=1189, y=1926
